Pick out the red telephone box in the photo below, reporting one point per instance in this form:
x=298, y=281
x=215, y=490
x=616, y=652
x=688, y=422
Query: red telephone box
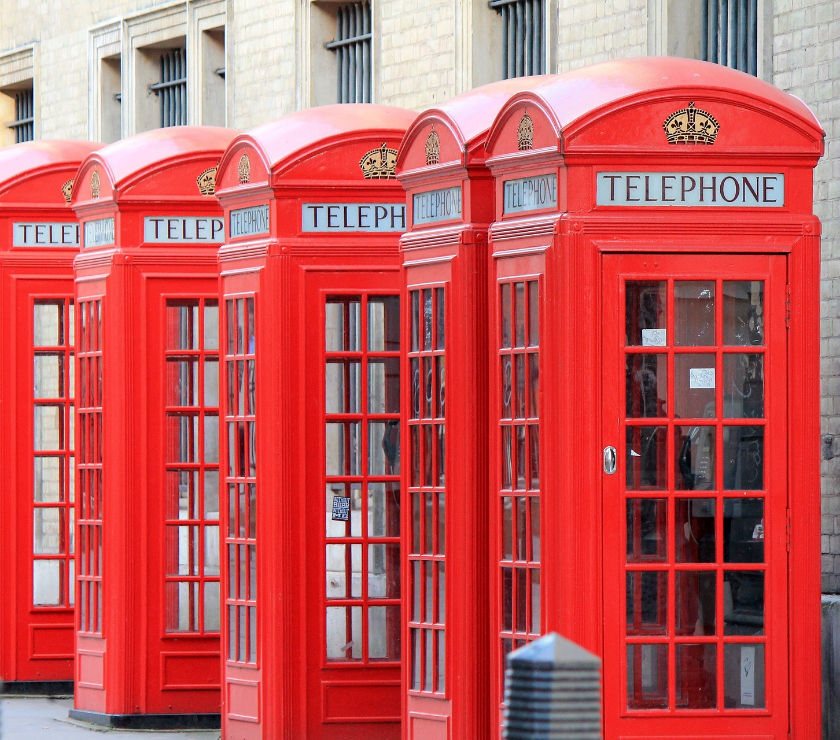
x=311, y=389
x=655, y=243
x=39, y=236
x=147, y=418
x=445, y=260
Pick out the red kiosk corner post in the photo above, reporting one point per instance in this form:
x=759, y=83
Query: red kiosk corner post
x=147, y=424
x=664, y=208
x=311, y=388
x=450, y=599
x=39, y=237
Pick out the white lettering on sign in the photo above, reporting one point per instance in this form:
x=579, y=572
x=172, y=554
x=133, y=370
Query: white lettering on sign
x=710, y=189
x=701, y=377
x=61, y=234
x=99, y=233
x=530, y=193
x=183, y=230
x=353, y=217
x=249, y=221
x=437, y=205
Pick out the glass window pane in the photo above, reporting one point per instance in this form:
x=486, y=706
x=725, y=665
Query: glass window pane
x=181, y=381
x=384, y=632
x=428, y=319
x=211, y=325
x=429, y=591
x=694, y=530
x=415, y=660
x=415, y=319
x=211, y=551
x=533, y=313
x=343, y=448
x=519, y=314
x=211, y=494
x=211, y=438
x=743, y=313
x=440, y=319
x=48, y=479
x=743, y=530
x=48, y=324
x=695, y=450
x=743, y=458
x=181, y=438
x=507, y=455
x=507, y=599
x=647, y=386
x=440, y=610
x=507, y=528
x=383, y=509
x=182, y=325
x=429, y=661
x=506, y=315
x=47, y=582
x=344, y=632
x=534, y=506
x=646, y=458
x=441, y=521
x=211, y=606
x=507, y=387
x=440, y=685
x=535, y=626
x=647, y=676
x=384, y=324
x=743, y=386
x=696, y=665
x=440, y=381
x=384, y=571
x=647, y=524
x=647, y=602
x=383, y=386
x=441, y=454
x=645, y=321
x=48, y=375
x=743, y=676
x=48, y=534
x=694, y=313
x=743, y=602
x=343, y=386
x=211, y=382
x=694, y=386
x=383, y=447
x=694, y=592
x=417, y=586
x=48, y=424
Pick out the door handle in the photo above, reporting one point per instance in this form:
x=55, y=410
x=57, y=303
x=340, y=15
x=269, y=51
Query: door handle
x=610, y=459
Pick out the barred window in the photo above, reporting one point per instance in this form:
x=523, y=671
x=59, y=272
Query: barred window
x=352, y=49
x=172, y=88
x=730, y=34
x=523, y=36
x=24, y=122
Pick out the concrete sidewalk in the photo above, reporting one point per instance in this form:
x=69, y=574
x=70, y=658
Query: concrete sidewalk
x=46, y=718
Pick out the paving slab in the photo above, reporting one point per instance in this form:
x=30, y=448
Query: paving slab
x=46, y=718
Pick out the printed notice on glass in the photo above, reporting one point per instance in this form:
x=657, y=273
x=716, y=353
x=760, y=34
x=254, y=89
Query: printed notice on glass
x=437, y=205
x=748, y=675
x=99, y=233
x=183, y=230
x=530, y=193
x=61, y=234
x=701, y=377
x=707, y=189
x=654, y=337
x=365, y=217
x=249, y=221
x=341, y=509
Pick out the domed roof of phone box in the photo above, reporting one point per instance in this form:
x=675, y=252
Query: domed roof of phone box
x=157, y=163
x=623, y=104
x=312, y=138
x=56, y=159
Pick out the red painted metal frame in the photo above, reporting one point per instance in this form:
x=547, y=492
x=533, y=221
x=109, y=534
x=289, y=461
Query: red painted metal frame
x=311, y=156
x=132, y=665
x=609, y=118
x=36, y=642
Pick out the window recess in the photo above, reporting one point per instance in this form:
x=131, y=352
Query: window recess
x=352, y=46
x=172, y=88
x=730, y=34
x=523, y=36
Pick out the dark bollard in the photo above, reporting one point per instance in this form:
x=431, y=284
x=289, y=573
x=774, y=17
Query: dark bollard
x=552, y=692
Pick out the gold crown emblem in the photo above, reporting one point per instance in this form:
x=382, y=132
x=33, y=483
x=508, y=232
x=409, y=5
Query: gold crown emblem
x=244, y=169
x=433, y=148
x=94, y=184
x=67, y=189
x=691, y=126
x=206, y=181
x=379, y=164
x=525, y=133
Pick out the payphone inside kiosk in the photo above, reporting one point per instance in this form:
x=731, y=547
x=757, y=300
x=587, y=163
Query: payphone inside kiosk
x=311, y=426
x=39, y=237
x=657, y=215
x=147, y=424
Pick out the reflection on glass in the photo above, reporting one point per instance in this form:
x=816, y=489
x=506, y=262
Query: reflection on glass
x=694, y=313
x=646, y=458
x=694, y=386
x=440, y=320
x=647, y=602
x=535, y=601
x=647, y=523
x=384, y=509
x=506, y=319
x=743, y=602
x=519, y=314
x=507, y=528
x=344, y=633
x=48, y=479
x=647, y=676
x=645, y=321
x=48, y=534
x=533, y=314
x=383, y=386
x=694, y=593
x=383, y=571
x=743, y=676
x=743, y=313
x=384, y=447
x=696, y=666
x=533, y=385
x=535, y=528
x=48, y=375
x=427, y=319
x=694, y=530
x=384, y=632
x=48, y=324
x=415, y=659
x=415, y=318
x=743, y=458
x=743, y=530
x=211, y=325
x=646, y=385
x=507, y=387
x=695, y=450
x=743, y=386
x=384, y=324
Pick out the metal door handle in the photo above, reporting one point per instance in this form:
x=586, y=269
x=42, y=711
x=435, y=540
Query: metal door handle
x=610, y=460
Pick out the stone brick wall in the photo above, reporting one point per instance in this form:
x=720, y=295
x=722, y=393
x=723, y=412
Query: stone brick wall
x=806, y=63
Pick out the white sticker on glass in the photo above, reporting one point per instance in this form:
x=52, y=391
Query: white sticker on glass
x=701, y=377
x=654, y=338
x=748, y=675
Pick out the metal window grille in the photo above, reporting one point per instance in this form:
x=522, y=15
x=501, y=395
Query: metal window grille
x=24, y=123
x=172, y=88
x=352, y=51
x=523, y=36
x=730, y=34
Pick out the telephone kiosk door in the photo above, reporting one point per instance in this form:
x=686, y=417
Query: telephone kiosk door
x=695, y=510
